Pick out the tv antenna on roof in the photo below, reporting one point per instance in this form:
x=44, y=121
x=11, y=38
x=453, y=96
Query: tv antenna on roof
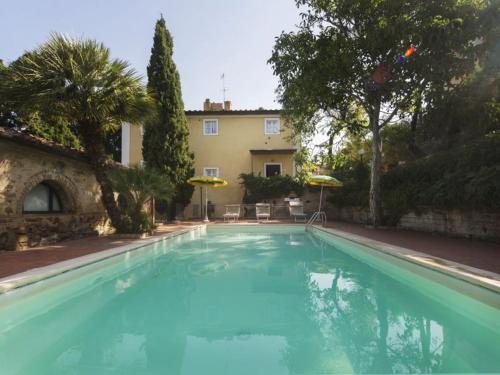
x=224, y=89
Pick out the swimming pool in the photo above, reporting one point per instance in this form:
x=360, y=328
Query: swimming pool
x=250, y=300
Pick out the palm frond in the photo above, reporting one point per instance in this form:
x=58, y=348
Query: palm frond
x=78, y=80
x=139, y=184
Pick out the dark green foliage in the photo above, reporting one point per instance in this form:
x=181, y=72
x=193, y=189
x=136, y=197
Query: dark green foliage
x=469, y=111
x=165, y=144
x=60, y=131
x=113, y=144
x=471, y=108
x=56, y=130
x=136, y=222
x=8, y=117
x=466, y=177
x=355, y=176
x=259, y=189
x=396, y=144
x=136, y=187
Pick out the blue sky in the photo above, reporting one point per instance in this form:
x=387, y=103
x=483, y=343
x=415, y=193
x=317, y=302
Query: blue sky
x=234, y=37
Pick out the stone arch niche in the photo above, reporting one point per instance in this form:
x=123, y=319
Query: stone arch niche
x=63, y=186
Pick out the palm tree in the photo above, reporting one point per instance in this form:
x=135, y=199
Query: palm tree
x=138, y=186
x=77, y=79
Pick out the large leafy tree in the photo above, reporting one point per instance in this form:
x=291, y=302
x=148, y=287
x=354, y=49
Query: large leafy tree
x=165, y=145
x=77, y=80
x=328, y=65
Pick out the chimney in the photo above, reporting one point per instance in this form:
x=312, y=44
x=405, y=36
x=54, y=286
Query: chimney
x=216, y=107
x=206, y=105
x=209, y=106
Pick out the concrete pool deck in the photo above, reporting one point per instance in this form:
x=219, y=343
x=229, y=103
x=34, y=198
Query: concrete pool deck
x=470, y=252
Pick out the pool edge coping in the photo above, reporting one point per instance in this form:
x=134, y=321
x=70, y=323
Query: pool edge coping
x=31, y=276
x=476, y=276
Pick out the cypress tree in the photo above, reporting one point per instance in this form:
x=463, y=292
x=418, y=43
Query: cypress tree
x=165, y=144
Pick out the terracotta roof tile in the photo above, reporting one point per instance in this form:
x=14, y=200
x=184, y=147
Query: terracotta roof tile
x=236, y=112
x=29, y=140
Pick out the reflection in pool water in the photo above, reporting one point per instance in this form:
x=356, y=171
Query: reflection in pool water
x=246, y=303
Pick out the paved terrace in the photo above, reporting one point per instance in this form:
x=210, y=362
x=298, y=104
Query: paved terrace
x=475, y=253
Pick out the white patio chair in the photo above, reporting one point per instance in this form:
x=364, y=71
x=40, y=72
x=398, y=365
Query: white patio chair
x=232, y=212
x=297, y=212
x=263, y=211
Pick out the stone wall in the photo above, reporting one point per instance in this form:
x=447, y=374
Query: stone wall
x=350, y=214
x=22, y=167
x=477, y=224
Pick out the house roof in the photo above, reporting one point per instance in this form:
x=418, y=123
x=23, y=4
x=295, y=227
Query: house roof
x=274, y=151
x=237, y=112
x=39, y=143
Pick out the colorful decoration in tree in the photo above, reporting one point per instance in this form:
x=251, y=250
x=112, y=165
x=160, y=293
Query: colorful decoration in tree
x=407, y=54
x=383, y=72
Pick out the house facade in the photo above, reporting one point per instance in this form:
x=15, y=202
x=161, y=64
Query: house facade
x=226, y=143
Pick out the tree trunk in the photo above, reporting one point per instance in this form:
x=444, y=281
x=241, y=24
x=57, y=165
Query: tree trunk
x=375, y=203
x=94, y=147
x=415, y=119
x=172, y=210
x=331, y=137
x=153, y=209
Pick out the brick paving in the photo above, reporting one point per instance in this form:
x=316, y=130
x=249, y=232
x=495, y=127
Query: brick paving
x=472, y=252
x=12, y=262
x=475, y=253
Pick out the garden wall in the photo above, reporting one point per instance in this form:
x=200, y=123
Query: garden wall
x=25, y=162
x=478, y=224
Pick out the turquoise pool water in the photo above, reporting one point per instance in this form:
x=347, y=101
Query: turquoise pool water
x=272, y=300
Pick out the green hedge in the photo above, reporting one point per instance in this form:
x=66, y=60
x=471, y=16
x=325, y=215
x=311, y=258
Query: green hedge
x=463, y=178
x=258, y=189
x=356, y=178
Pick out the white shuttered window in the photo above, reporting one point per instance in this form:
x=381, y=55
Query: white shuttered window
x=272, y=126
x=211, y=127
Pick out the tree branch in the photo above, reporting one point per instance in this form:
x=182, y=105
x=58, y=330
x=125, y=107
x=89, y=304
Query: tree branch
x=362, y=102
x=388, y=119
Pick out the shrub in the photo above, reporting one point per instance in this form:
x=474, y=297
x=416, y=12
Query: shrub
x=137, y=186
x=135, y=221
x=465, y=177
x=258, y=189
x=356, y=179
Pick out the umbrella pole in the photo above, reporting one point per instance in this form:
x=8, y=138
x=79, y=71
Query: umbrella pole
x=320, y=198
x=206, y=205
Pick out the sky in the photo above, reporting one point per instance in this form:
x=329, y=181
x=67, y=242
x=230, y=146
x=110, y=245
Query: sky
x=211, y=37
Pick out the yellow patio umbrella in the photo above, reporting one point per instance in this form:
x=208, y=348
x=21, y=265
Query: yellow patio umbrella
x=323, y=181
x=206, y=181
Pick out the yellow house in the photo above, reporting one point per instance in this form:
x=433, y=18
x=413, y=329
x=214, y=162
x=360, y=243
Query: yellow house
x=225, y=144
